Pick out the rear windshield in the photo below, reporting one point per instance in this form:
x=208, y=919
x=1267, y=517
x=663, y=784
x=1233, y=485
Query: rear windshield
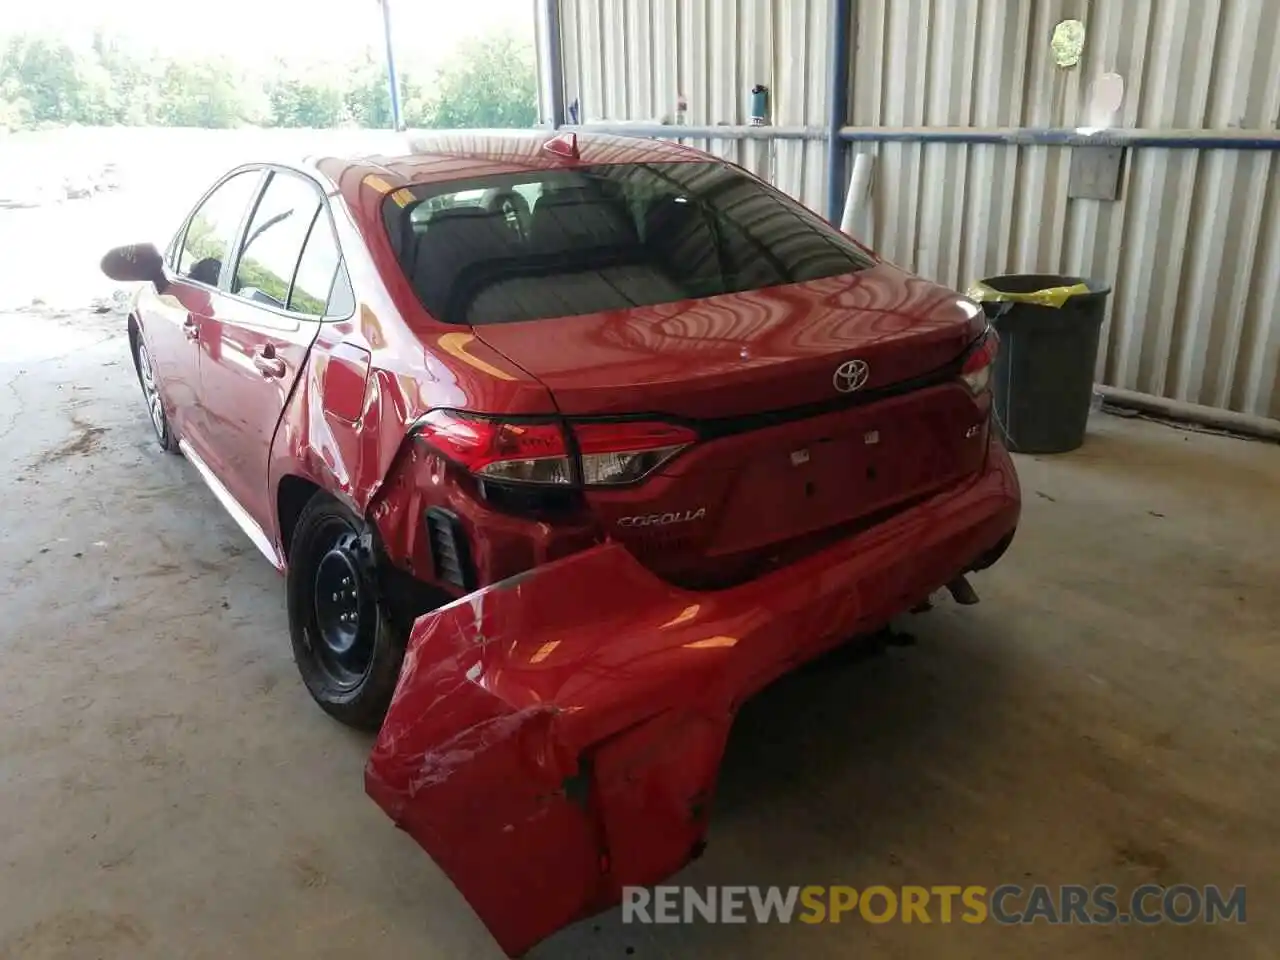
x=556, y=243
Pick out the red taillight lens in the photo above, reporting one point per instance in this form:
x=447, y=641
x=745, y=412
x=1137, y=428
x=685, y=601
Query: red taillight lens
x=536, y=452
x=976, y=372
x=625, y=451
x=530, y=452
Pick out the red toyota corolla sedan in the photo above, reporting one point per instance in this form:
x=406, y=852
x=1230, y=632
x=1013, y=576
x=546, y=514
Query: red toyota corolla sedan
x=566, y=447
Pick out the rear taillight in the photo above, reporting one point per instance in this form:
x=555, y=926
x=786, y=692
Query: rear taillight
x=529, y=452
x=976, y=371
x=537, y=452
x=624, y=452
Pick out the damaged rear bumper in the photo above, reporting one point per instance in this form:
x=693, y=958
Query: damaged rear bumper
x=556, y=736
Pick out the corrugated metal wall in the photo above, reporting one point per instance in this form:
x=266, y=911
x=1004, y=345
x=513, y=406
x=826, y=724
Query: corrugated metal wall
x=1192, y=248
x=633, y=59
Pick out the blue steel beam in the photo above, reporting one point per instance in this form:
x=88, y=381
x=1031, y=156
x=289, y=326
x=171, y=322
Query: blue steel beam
x=669, y=131
x=1220, y=139
x=1070, y=137
x=555, y=61
x=392, y=83
x=837, y=106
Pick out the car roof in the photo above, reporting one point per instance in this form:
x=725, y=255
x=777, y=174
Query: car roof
x=462, y=154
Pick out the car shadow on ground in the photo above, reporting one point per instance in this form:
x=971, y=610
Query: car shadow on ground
x=847, y=771
x=854, y=737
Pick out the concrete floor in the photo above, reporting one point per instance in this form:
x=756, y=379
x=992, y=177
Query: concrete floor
x=1109, y=713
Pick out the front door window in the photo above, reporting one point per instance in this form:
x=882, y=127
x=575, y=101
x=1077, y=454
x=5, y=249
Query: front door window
x=206, y=245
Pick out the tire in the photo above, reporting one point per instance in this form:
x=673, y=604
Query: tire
x=350, y=666
x=143, y=366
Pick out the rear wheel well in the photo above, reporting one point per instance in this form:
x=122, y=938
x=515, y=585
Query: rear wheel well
x=406, y=597
x=291, y=496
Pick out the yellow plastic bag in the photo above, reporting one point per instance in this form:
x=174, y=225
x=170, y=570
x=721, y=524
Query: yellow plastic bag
x=1049, y=297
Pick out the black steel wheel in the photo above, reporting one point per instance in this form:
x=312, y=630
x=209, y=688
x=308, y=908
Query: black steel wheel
x=344, y=643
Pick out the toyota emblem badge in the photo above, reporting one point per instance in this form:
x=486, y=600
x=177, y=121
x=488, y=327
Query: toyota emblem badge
x=850, y=376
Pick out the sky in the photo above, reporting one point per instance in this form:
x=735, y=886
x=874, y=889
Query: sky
x=425, y=30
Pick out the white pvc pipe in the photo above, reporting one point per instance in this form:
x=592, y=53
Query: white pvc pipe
x=855, y=201
x=1228, y=420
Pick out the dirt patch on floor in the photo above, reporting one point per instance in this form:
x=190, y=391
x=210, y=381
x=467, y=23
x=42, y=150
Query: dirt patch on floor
x=85, y=439
x=77, y=933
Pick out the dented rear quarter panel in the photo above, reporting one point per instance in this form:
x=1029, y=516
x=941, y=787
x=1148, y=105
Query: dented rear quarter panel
x=371, y=375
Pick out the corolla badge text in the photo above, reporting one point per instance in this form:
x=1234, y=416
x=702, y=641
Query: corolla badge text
x=663, y=519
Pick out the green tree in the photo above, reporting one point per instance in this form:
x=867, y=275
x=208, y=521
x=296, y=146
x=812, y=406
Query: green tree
x=42, y=75
x=202, y=94
x=367, y=98
x=489, y=82
x=129, y=83
x=45, y=82
x=311, y=98
x=15, y=109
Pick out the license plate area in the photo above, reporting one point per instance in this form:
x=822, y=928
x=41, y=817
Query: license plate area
x=781, y=492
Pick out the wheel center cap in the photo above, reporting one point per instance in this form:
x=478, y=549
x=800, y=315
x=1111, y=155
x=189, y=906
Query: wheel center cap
x=337, y=600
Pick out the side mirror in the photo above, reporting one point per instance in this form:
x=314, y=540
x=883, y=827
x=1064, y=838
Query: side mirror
x=137, y=261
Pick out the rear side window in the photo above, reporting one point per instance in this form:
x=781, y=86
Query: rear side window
x=274, y=240
x=342, y=299
x=610, y=237
x=206, y=244
x=316, y=269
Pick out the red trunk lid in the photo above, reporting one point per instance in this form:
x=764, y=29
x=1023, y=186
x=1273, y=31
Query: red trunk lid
x=746, y=352
x=782, y=466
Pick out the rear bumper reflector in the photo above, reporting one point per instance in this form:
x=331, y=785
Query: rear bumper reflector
x=450, y=549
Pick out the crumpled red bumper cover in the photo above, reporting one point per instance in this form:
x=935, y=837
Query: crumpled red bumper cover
x=556, y=736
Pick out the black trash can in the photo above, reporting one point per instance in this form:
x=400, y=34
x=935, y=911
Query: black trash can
x=1042, y=381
